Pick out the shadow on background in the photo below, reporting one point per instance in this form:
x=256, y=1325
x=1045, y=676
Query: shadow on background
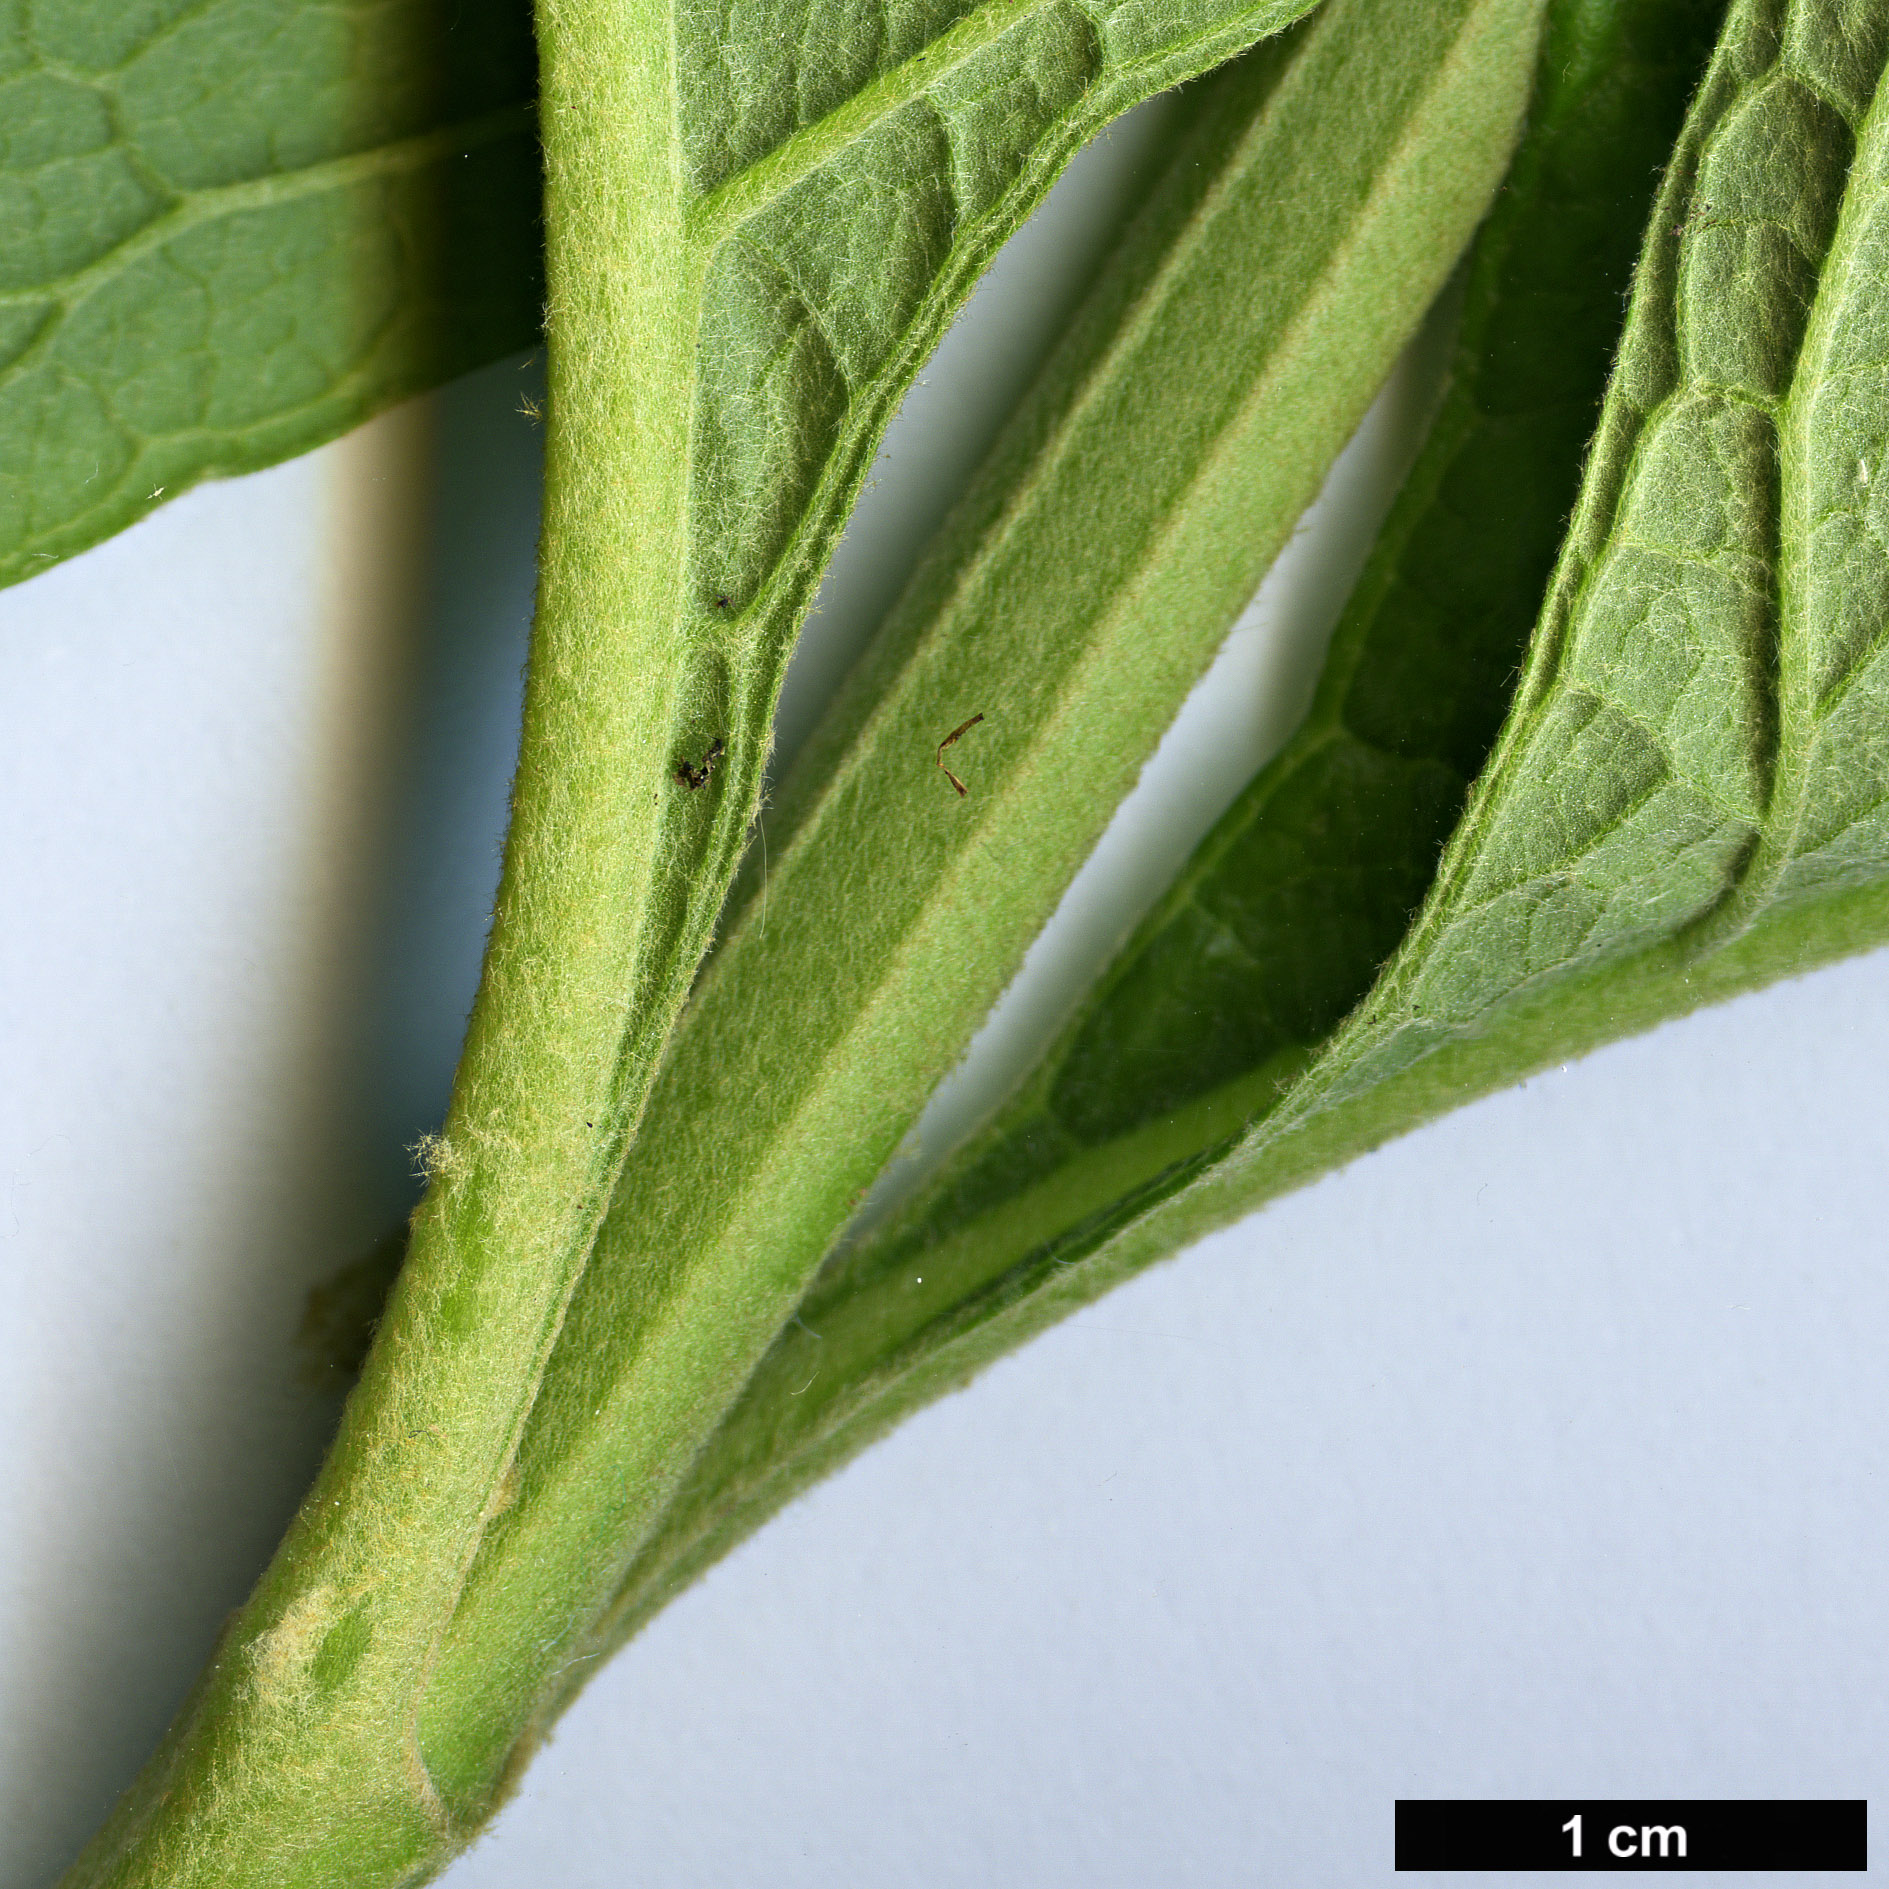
x=152, y=1497
x=451, y=798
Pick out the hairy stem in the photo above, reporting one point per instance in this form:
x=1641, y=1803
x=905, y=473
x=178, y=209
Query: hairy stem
x=297, y=1760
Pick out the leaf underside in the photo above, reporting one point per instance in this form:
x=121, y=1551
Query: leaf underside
x=1687, y=797
x=234, y=230
x=848, y=184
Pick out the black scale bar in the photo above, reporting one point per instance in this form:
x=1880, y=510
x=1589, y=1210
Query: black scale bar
x=1655, y=1834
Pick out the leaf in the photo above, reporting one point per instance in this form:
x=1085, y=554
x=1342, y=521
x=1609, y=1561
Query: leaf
x=1212, y=1066
x=1698, y=744
x=236, y=229
x=1071, y=604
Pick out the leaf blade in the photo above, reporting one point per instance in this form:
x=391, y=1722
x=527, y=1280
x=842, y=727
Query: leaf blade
x=238, y=231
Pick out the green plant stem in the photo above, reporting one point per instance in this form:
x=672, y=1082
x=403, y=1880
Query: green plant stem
x=297, y=1759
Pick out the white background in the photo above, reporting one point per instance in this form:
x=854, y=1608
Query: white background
x=1538, y=1454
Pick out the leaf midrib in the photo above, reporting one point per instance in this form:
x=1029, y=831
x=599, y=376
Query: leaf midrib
x=1800, y=708
x=1023, y=788
x=737, y=199
x=915, y=943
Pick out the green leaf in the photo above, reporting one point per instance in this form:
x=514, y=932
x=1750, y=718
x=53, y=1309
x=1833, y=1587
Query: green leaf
x=1698, y=744
x=1212, y=1066
x=1070, y=603
x=236, y=229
